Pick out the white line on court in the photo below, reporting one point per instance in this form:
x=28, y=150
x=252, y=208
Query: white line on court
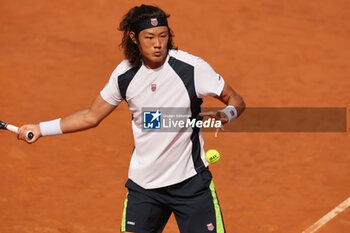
x=337, y=210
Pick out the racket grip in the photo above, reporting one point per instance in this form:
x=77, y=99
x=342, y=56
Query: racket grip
x=30, y=135
x=14, y=129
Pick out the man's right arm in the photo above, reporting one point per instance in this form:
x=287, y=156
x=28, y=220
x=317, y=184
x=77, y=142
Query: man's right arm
x=78, y=121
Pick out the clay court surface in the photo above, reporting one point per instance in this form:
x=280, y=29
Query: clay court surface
x=55, y=57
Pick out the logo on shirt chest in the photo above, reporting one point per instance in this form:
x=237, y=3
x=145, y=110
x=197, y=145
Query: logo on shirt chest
x=153, y=87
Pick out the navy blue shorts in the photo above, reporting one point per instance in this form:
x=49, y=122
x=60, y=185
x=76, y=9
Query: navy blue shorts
x=194, y=203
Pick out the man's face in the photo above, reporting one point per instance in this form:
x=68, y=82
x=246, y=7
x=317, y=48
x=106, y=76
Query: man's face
x=153, y=46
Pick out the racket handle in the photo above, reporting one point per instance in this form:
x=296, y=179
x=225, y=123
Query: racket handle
x=14, y=129
x=30, y=135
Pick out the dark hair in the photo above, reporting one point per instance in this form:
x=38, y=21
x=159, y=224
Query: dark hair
x=136, y=14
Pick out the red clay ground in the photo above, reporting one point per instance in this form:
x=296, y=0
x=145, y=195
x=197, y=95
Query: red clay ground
x=55, y=56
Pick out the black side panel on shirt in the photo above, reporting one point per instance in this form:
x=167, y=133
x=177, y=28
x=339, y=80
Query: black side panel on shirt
x=125, y=79
x=186, y=73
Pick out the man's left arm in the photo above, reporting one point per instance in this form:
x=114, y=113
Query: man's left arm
x=234, y=102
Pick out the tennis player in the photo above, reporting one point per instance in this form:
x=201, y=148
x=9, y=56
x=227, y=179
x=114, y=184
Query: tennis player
x=168, y=172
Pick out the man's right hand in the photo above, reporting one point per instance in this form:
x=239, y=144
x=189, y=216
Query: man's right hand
x=22, y=133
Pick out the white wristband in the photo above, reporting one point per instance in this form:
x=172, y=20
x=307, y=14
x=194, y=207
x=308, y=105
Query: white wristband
x=231, y=112
x=49, y=128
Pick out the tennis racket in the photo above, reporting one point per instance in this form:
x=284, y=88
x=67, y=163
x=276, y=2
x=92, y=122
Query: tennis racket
x=14, y=129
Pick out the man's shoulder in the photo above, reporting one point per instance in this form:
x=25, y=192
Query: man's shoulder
x=122, y=68
x=185, y=57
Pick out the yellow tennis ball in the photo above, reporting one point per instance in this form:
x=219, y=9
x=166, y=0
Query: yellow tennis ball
x=212, y=156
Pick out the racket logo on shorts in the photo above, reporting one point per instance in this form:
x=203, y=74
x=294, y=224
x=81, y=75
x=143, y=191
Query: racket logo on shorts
x=210, y=227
